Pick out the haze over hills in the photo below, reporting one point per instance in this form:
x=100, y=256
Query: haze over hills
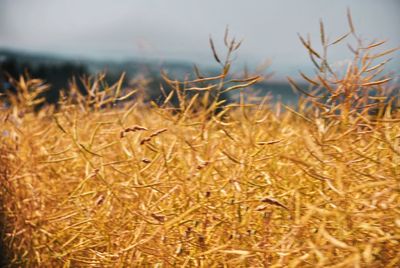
x=58, y=70
x=174, y=34
x=179, y=29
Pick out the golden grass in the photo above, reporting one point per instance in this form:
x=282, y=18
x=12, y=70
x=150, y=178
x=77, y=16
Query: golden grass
x=90, y=184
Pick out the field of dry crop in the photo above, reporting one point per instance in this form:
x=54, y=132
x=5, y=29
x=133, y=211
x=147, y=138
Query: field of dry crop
x=203, y=183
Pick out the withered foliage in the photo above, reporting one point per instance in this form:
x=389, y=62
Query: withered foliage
x=105, y=182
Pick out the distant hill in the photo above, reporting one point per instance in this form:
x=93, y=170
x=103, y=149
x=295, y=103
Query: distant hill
x=57, y=71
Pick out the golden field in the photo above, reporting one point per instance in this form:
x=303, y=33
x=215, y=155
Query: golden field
x=106, y=179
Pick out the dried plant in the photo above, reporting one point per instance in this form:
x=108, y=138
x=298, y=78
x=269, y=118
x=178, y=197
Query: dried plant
x=105, y=182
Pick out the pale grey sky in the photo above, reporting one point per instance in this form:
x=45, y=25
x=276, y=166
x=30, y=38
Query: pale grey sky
x=179, y=29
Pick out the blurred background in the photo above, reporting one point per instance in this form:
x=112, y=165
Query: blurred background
x=56, y=39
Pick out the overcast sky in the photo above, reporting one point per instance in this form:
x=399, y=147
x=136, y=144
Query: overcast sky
x=179, y=29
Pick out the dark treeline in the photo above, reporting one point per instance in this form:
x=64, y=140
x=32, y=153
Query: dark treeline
x=56, y=75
